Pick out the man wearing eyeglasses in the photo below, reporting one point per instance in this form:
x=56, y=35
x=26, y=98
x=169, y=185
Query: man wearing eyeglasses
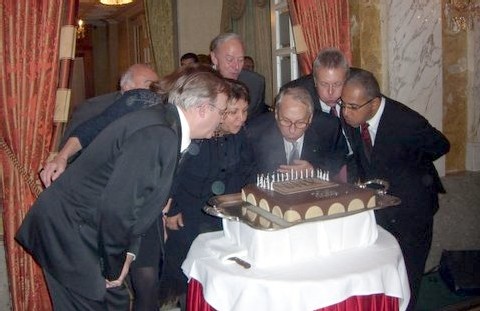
x=392, y=142
x=325, y=84
x=85, y=229
x=287, y=140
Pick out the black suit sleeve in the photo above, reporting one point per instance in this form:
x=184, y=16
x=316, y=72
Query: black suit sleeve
x=130, y=101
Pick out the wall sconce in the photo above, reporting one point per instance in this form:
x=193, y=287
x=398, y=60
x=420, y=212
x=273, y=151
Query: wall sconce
x=115, y=2
x=461, y=14
x=80, y=29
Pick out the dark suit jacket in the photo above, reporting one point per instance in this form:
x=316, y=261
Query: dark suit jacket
x=308, y=83
x=256, y=89
x=87, y=110
x=108, y=197
x=404, y=149
x=322, y=145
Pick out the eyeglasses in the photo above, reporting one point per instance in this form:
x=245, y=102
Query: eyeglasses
x=297, y=124
x=326, y=85
x=221, y=112
x=353, y=107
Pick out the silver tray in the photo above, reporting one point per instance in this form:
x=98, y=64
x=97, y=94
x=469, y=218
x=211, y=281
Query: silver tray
x=230, y=207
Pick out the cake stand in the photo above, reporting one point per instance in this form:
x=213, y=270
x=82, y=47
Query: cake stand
x=232, y=207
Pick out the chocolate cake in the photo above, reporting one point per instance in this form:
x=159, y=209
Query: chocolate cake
x=295, y=198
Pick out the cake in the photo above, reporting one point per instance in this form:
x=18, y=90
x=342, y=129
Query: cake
x=301, y=196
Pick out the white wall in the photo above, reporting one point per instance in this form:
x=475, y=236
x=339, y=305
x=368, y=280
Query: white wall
x=198, y=23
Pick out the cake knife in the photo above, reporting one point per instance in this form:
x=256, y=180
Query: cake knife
x=241, y=262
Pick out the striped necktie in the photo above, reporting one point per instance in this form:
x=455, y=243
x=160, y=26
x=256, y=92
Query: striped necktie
x=294, y=154
x=367, y=140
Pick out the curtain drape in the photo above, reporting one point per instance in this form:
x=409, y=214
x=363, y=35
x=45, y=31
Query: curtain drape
x=29, y=70
x=324, y=23
x=161, y=27
x=251, y=20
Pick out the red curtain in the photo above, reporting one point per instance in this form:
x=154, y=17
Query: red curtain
x=29, y=72
x=324, y=23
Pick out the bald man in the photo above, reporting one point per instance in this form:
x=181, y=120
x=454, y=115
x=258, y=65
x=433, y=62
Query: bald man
x=137, y=76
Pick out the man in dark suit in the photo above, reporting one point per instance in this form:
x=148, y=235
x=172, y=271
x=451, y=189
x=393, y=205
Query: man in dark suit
x=287, y=139
x=227, y=52
x=137, y=76
x=85, y=228
x=392, y=142
x=330, y=69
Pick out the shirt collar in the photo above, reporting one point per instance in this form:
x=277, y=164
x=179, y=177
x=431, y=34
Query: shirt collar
x=326, y=108
x=375, y=120
x=185, y=130
x=289, y=145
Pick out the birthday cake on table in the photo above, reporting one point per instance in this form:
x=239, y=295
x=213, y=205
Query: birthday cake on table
x=298, y=196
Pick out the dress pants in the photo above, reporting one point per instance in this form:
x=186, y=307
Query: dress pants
x=64, y=299
x=415, y=244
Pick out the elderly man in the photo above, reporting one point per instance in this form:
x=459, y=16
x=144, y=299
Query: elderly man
x=330, y=69
x=84, y=229
x=227, y=52
x=392, y=142
x=287, y=139
x=137, y=76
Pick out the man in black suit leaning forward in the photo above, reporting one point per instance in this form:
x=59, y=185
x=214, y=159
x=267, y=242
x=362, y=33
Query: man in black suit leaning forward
x=392, y=142
x=287, y=139
x=84, y=229
x=137, y=76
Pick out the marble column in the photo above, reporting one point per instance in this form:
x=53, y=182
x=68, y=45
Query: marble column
x=473, y=124
x=414, y=58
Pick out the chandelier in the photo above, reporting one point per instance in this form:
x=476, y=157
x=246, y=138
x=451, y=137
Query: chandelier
x=461, y=14
x=115, y=2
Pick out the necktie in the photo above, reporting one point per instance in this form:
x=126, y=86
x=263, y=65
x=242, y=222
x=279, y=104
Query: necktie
x=367, y=140
x=294, y=154
x=333, y=112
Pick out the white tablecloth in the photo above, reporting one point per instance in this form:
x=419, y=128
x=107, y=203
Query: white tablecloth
x=297, y=243
x=324, y=281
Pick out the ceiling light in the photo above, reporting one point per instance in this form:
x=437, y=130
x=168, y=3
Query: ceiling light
x=115, y=2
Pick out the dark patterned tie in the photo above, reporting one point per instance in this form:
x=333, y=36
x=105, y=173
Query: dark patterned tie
x=294, y=154
x=367, y=140
x=333, y=112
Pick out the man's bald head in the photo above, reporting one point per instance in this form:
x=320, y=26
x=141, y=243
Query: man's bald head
x=138, y=76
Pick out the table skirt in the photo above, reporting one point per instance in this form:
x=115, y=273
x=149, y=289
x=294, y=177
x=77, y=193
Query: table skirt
x=375, y=302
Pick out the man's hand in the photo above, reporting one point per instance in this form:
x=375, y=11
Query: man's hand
x=299, y=165
x=174, y=222
x=123, y=274
x=52, y=170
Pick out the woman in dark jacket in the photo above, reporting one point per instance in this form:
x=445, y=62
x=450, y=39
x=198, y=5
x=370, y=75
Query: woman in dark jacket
x=210, y=167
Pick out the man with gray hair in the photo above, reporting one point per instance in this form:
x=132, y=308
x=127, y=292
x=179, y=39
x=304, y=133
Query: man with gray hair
x=288, y=140
x=227, y=52
x=84, y=230
x=330, y=70
x=137, y=76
